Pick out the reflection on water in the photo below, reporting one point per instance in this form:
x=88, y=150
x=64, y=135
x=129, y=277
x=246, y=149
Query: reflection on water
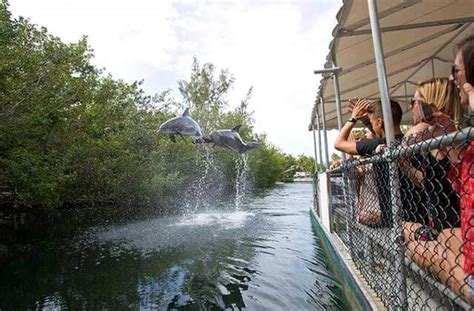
x=264, y=256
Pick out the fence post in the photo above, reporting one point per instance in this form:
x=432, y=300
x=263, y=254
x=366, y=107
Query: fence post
x=315, y=177
x=335, y=78
x=397, y=234
x=325, y=134
x=319, y=141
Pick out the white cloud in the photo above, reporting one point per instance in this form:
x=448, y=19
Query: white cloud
x=271, y=45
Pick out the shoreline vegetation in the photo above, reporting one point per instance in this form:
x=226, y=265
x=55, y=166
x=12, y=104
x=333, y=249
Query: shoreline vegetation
x=72, y=136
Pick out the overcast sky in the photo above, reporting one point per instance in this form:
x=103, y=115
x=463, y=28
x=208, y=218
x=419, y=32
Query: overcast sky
x=271, y=45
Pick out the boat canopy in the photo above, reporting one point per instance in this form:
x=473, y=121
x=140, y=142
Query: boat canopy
x=418, y=39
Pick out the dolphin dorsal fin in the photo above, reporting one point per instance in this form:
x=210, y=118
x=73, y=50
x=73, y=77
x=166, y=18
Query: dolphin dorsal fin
x=236, y=128
x=186, y=113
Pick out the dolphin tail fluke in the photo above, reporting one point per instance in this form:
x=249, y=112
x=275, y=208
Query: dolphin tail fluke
x=203, y=140
x=236, y=128
x=250, y=146
x=186, y=113
x=207, y=139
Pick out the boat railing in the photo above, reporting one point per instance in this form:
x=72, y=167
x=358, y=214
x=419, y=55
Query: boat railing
x=316, y=195
x=398, y=215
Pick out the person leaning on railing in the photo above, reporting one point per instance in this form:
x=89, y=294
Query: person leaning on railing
x=463, y=75
x=365, y=189
x=451, y=256
x=429, y=171
x=361, y=109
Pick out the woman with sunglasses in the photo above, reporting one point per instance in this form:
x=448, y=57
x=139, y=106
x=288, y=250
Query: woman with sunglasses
x=462, y=266
x=451, y=256
x=435, y=105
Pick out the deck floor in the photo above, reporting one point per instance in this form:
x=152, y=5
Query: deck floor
x=375, y=260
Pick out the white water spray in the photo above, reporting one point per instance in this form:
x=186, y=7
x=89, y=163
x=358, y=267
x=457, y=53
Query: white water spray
x=198, y=194
x=241, y=180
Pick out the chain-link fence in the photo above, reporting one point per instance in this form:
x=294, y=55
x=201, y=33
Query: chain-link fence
x=399, y=214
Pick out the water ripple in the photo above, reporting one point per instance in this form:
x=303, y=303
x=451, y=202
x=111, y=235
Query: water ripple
x=264, y=256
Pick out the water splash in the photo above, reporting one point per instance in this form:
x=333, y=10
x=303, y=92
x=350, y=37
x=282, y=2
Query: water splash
x=241, y=179
x=198, y=194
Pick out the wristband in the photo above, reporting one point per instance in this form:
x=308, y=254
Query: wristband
x=352, y=120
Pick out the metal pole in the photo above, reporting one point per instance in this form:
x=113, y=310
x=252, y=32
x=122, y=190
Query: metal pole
x=319, y=140
x=327, y=70
x=315, y=176
x=338, y=100
x=433, y=68
x=406, y=97
x=335, y=79
x=325, y=132
x=315, y=151
x=381, y=72
x=397, y=234
x=406, y=91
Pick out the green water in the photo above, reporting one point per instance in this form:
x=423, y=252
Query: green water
x=262, y=256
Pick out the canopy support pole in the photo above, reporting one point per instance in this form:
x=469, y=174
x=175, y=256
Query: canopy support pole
x=325, y=132
x=319, y=141
x=397, y=234
x=315, y=151
x=406, y=91
x=381, y=72
x=433, y=68
x=335, y=79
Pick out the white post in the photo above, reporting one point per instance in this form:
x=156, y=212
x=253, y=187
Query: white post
x=433, y=72
x=315, y=151
x=381, y=72
x=319, y=140
x=335, y=79
x=325, y=133
x=397, y=234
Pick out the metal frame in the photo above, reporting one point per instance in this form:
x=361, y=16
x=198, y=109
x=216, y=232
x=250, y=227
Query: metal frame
x=397, y=234
x=335, y=78
x=393, y=73
x=334, y=72
x=315, y=152
x=423, y=63
x=392, y=10
x=319, y=139
x=402, y=48
x=458, y=26
x=347, y=33
x=456, y=34
x=328, y=70
x=325, y=134
x=411, y=268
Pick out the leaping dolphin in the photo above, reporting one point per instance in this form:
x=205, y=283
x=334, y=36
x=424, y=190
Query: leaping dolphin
x=231, y=139
x=182, y=126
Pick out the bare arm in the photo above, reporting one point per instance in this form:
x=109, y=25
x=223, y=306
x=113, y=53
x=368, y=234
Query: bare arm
x=342, y=141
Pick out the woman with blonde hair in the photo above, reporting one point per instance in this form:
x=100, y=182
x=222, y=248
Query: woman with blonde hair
x=451, y=256
x=443, y=95
x=433, y=98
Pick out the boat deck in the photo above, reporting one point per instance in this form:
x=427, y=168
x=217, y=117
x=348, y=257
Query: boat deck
x=376, y=263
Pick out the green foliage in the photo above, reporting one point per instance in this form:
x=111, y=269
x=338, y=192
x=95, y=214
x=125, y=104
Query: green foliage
x=70, y=135
x=305, y=163
x=266, y=165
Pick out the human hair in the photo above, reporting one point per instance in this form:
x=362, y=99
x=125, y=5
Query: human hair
x=466, y=47
x=441, y=93
x=375, y=108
